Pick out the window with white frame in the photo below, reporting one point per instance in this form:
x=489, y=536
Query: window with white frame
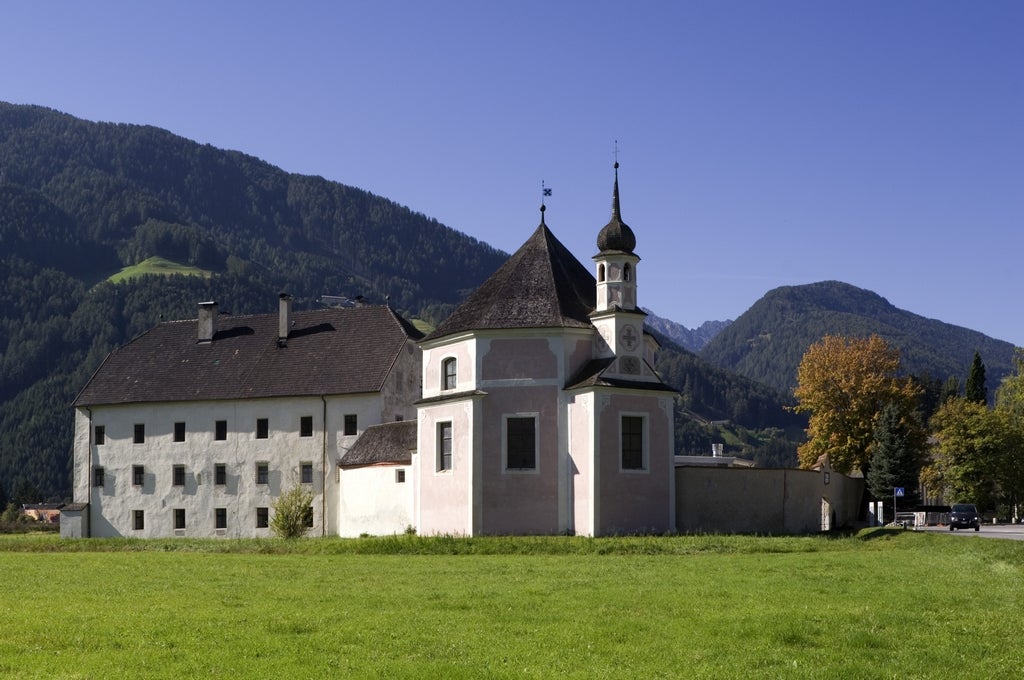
x=262, y=473
x=631, y=437
x=520, y=442
x=138, y=520
x=444, y=446
x=220, y=518
x=449, y=372
x=138, y=475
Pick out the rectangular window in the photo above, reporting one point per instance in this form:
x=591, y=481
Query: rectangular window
x=306, y=426
x=262, y=428
x=262, y=518
x=138, y=520
x=306, y=473
x=351, y=426
x=98, y=476
x=140, y=433
x=220, y=430
x=178, y=475
x=262, y=473
x=399, y=476
x=521, y=443
x=101, y=435
x=220, y=474
x=179, y=518
x=444, y=446
x=179, y=432
x=449, y=368
x=309, y=515
x=632, y=443
x=138, y=475
x=220, y=518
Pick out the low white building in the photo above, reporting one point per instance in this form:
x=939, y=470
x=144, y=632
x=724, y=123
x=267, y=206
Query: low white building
x=196, y=427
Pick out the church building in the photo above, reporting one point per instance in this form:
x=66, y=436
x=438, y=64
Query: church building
x=541, y=412
x=532, y=409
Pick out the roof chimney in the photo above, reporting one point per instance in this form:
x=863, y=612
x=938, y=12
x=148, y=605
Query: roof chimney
x=284, y=318
x=207, y=321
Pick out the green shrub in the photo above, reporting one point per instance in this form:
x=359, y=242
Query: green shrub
x=293, y=513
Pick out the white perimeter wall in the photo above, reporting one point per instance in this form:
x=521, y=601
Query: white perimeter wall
x=373, y=502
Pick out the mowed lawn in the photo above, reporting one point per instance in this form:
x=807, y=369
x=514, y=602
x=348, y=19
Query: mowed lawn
x=879, y=604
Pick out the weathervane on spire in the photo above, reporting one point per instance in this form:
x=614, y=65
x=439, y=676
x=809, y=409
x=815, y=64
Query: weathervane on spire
x=544, y=192
x=616, y=154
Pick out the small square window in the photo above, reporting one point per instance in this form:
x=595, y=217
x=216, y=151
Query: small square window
x=262, y=473
x=351, y=426
x=138, y=475
x=262, y=518
x=306, y=426
x=101, y=435
x=179, y=432
x=98, y=476
x=220, y=474
x=179, y=518
x=178, y=475
x=306, y=473
x=262, y=428
x=220, y=429
x=220, y=518
x=399, y=476
x=138, y=520
x=140, y=433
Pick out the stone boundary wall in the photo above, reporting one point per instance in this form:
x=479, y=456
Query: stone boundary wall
x=764, y=501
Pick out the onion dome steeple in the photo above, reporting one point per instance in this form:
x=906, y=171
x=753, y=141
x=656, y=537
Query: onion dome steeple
x=616, y=235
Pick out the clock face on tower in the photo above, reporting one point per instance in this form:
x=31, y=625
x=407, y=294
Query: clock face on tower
x=629, y=338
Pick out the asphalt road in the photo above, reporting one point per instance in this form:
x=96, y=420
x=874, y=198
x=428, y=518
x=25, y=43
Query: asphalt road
x=1013, y=532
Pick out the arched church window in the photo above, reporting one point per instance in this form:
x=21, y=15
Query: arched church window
x=600, y=272
x=627, y=272
x=448, y=371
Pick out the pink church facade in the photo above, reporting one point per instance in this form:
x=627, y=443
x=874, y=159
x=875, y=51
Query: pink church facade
x=541, y=413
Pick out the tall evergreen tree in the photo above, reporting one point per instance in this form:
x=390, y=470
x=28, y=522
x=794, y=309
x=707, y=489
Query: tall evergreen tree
x=975, y=389
x=897, y=454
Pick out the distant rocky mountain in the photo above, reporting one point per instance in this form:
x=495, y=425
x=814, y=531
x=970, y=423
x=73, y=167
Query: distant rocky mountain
x=767, y=342
x=693, y=340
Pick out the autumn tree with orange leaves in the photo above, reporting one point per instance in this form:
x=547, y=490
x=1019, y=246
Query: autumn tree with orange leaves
x=844, y=384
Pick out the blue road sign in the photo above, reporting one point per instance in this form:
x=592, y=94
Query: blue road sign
x=898, y=492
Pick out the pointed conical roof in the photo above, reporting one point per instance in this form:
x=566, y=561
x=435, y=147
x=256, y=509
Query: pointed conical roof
x=616, y=235
x=541, y=286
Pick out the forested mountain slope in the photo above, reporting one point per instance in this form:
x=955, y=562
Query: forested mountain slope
x=79, y=200
x=767, y=341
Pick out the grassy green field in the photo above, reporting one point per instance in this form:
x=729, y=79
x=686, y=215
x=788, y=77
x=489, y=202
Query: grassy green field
x=156, y=265
x=882, y=603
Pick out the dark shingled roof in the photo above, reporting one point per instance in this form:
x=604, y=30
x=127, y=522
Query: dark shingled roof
x=331, y=351
x=592, y=375
x=541, y=286
x=385, y=443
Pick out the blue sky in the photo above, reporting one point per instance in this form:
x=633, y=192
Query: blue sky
x=762, y=144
